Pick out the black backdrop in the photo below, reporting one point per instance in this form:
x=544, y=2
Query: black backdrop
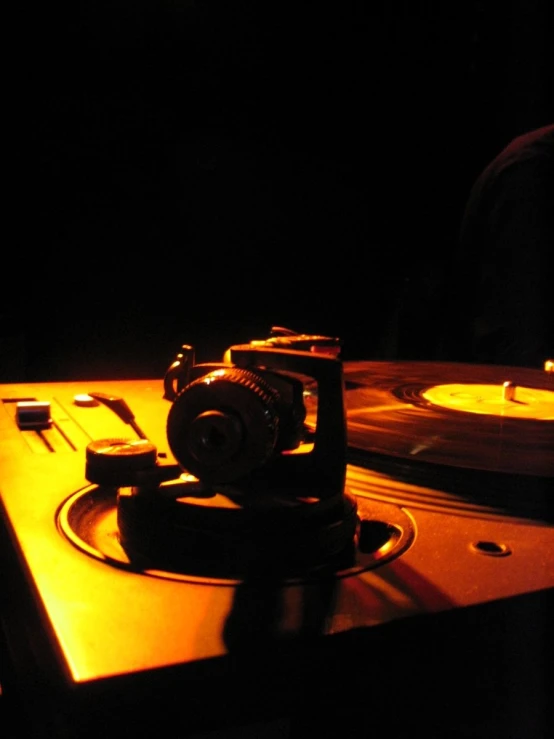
x=198, y=171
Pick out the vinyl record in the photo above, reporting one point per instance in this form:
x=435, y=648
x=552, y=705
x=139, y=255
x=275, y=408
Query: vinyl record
x=485, y=418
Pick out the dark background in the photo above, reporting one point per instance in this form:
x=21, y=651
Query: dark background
x=195, y=172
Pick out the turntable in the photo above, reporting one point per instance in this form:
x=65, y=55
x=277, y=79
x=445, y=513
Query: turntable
x=278, y=541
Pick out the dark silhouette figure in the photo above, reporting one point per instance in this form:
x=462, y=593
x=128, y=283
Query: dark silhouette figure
x=501, y=299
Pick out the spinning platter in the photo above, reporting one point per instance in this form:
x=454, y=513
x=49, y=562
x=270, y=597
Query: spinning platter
x=489, y=418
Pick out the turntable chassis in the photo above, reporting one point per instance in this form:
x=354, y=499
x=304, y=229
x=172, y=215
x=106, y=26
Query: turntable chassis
x=81, y=632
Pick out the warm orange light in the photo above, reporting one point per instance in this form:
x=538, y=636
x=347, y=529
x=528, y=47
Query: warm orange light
x=506, y=400
x=330, y=351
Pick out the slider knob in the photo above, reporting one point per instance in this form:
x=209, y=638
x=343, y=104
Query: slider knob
x=115, y=462
x=224, y=425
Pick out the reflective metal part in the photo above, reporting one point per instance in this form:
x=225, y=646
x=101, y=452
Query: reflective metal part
x=83, y=400
x=508, y=391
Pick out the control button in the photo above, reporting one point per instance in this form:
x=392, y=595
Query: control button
x=33, y=414
x=85, y=401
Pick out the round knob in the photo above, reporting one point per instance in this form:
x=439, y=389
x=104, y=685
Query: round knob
x=223, y=425
x=115, y=462
x=215, y=436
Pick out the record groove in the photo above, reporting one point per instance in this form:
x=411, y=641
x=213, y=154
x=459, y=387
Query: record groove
x=388, y=415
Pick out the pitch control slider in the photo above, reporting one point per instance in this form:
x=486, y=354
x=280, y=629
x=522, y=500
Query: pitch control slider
x=33, y=414
x=45, y=425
